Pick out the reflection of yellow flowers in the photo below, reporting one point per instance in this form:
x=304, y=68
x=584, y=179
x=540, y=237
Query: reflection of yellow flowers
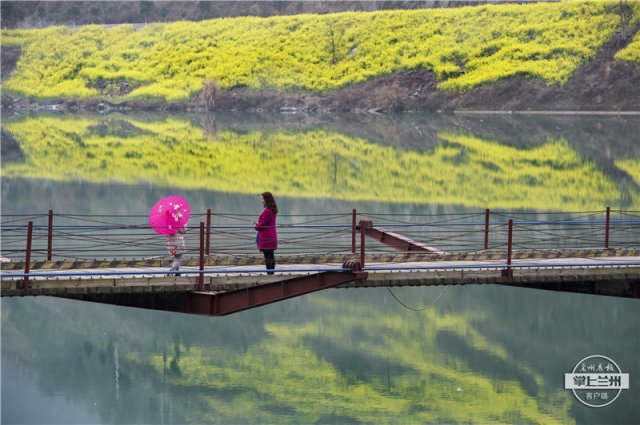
x=631, y=166
x=290, y=375
x=316, y=163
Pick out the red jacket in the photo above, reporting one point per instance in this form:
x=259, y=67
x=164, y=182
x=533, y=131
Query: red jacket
x=266, y=227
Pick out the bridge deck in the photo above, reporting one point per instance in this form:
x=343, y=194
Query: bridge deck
x=603, y=275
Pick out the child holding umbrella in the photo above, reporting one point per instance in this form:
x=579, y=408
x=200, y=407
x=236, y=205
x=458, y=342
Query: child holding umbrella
x=176, y=247
x=169, y=217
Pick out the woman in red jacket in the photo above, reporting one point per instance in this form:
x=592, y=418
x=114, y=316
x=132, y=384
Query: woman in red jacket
x=266, y=227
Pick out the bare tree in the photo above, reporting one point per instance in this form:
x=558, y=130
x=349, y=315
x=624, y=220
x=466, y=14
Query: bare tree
x=625, y=17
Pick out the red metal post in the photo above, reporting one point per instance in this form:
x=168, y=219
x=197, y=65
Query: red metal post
x=510, y=249
x=353, y=231
x=208, y=231
x=486, y=228
x=362, y=244
x=510, y=243
x=27, y=261
x=50, y=237
x=606, y=228
x=201, y=275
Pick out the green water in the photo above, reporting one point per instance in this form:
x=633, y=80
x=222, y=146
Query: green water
x=481, y=354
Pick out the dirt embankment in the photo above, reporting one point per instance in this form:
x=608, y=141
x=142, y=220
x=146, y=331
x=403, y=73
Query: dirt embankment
x=604, y=84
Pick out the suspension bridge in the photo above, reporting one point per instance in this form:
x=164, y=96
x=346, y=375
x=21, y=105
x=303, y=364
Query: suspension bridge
x=118, y=259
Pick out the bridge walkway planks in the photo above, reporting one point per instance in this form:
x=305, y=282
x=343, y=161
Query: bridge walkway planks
x=619, y=274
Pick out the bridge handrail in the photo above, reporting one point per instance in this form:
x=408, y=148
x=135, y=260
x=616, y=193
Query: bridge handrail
x=337, y=226
x=446, y=232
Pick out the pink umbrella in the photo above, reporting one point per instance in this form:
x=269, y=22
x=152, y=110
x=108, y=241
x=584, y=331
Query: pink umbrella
x=169, y=214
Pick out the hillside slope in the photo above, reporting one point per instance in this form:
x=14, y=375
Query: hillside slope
x=534, y=56
x=605, y=84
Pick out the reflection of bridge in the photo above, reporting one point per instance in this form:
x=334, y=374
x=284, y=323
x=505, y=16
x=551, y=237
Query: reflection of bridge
x=587, y=252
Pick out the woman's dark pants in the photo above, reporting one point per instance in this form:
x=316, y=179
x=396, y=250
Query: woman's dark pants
x=269, y=259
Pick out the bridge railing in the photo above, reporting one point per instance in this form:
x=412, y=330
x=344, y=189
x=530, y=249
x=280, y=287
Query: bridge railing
x=489, y=230
x=56, y=236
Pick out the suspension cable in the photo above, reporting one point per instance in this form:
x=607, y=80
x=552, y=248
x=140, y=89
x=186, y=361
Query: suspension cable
x=418, y=309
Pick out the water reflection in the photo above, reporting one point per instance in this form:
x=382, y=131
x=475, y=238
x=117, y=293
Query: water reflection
x=482, y=354
x=455, y=163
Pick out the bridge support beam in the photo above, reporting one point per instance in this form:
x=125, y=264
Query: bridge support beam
x=223, y=303
x=396, y=240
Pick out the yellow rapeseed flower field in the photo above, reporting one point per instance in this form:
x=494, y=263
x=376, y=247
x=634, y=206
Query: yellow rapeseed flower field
x=631, y=53
x=465, y=47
